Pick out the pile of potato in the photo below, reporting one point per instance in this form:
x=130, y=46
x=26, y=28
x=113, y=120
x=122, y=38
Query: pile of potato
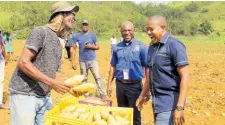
x=95, y=117
x=75, y=80
x=78, y=88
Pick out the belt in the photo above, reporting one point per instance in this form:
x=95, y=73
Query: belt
x=129, y=81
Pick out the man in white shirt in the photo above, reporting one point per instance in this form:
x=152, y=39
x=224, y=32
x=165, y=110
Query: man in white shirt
x=113, y=42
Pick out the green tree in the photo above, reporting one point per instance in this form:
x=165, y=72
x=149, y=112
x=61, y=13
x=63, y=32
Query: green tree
x=193, y=29
x=191, y=7
x=206, y=27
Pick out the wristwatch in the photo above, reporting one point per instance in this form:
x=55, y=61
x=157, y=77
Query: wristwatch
x=179, y=108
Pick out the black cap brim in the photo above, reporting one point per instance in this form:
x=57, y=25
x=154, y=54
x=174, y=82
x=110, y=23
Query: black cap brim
x=69, y=9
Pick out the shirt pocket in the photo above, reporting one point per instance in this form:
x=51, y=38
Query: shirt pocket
x=120, y=53
x=135, y=56
x=162, y=59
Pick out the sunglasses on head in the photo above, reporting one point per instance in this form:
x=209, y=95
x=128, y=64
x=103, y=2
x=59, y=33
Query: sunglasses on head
x=85, y=24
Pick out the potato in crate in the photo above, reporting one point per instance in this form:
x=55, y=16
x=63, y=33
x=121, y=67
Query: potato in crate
x=95, y=101
x=59, y=121
x=70, y=98
x=63, y=114
x=112, y=116
x=70, y=113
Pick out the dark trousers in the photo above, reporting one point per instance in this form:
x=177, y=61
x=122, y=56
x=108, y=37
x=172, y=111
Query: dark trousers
x=127, y=94
x=68, y=51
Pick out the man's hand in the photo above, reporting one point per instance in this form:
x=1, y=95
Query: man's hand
x=60, y=87
x=74, y=66
x=148, y=96
x=88, y=46
x=142, y=100
x=76, y=94
x=109, y=90
x=139, y=102
x=179, y=117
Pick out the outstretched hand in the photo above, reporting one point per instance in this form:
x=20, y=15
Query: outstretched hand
x=74, y=66
x=60, y=87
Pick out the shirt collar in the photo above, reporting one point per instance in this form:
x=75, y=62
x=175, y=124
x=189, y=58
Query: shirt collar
x=132, y=41
x=84, y=33
x=164, y=38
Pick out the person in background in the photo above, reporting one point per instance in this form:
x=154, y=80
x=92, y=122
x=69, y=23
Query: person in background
x=121, y=39
x=68, y=42
x=3, y=63
x=113, y=41
x=88, y=44
x=8, y=45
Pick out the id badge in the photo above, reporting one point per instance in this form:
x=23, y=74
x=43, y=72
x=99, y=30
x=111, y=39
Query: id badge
x=126, y=74
x=137, y=48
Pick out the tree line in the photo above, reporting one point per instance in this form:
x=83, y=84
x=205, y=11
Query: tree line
x=106, y=17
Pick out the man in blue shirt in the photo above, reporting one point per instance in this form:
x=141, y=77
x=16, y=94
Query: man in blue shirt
x=168, y=74
x=88, y=43
x=128, y=59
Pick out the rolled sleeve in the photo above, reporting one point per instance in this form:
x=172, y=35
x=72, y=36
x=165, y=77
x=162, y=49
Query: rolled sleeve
x=179, y=54
x=94, y=38
x=35, y=39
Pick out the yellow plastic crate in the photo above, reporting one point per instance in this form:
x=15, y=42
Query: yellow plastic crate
x=52, y=120
x=70, y=98
x=53, y=115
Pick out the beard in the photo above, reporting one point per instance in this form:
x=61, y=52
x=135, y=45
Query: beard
x=157, y=37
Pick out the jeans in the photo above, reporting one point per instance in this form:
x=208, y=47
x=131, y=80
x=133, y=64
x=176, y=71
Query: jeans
x=2, y=72
x=93, y=66
x=28, y=110
x=127, y=94
x=164, y=118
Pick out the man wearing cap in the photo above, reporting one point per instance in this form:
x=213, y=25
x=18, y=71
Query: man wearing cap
x=128, y=64
x=88, y=44
x=35, y=74
x=168, y=74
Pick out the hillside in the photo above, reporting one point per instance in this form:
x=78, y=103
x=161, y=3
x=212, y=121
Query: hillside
x=184, y=18
x=212, y=11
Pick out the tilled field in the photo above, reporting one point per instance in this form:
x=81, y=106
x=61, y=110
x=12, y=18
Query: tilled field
x=206, y=95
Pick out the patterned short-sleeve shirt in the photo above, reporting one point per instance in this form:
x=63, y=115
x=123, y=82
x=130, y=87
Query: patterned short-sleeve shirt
x=45, y=43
